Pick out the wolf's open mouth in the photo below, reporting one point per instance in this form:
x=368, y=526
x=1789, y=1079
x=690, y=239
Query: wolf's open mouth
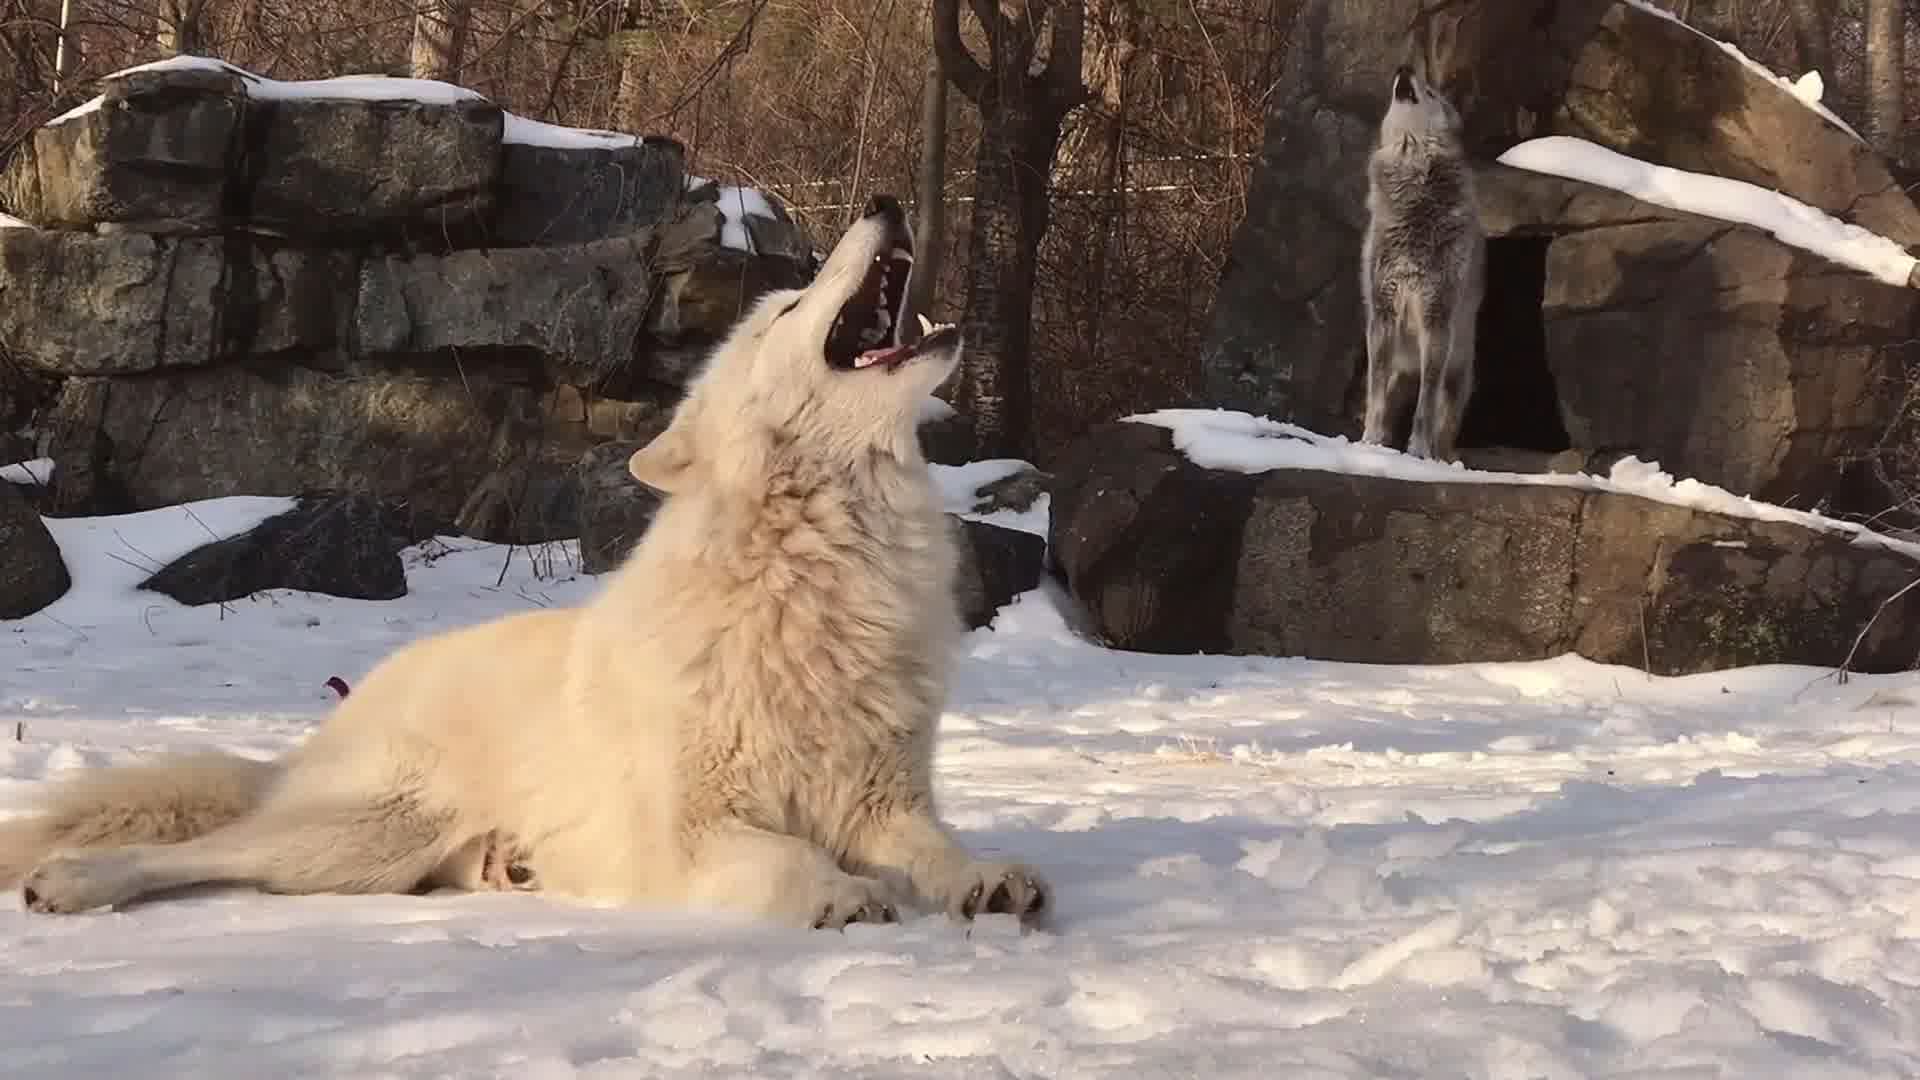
x=867, y=331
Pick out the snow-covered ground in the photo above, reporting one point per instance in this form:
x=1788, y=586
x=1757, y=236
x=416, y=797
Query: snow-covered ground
x=1265, y=868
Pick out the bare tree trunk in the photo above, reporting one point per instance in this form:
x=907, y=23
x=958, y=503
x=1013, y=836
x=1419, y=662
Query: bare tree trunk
x=181, y=27
x=1021, y=110
x=1814, y=34
x=1886, y=62
x=1116, y=45
x=61, y=53
x=440, y=39
x=630, y=94
x=930, y=203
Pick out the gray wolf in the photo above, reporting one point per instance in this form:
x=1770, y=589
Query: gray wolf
x=1423, y=271
x=741, y=720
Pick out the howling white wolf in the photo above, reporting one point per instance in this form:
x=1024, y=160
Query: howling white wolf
x=741, y=719
x=1423, y=267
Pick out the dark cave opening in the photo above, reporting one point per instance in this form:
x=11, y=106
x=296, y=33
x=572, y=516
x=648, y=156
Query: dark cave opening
x=1515, y=403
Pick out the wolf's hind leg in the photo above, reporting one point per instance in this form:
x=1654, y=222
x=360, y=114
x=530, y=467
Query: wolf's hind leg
x=385, y=846
x=1445, y=342
x=1377, y=427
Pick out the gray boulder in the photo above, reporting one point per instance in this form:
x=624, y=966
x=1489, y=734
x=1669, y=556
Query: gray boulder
x=158, y=152
x=615, y=509
x=32, y=573
x=1166, y=556
x=341, y=545
x=328, y=168
x=575, y=194
x=582, y=302
x=171, y=438
x=996, y=565
x=123, y=302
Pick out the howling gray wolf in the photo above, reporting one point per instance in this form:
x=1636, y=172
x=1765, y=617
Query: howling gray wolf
x=1423, y=268
x=742, y=719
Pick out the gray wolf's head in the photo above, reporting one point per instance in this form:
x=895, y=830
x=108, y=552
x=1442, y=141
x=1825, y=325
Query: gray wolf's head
x=826, y=372
x=1417, y=112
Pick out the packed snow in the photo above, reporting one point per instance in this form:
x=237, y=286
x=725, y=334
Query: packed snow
x=341, y=88
x=1264, y=867
x=1791, y=221
x=522, y=131
x=1809, y=89
x=1241, y=442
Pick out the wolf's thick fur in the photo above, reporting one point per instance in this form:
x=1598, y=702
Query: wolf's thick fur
x=1423, y=271
x=741, y=719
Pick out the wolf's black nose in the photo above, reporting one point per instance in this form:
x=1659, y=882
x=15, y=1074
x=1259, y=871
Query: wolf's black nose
x=885, y=206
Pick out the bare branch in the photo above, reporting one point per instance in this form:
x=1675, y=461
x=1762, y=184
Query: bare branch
x=962, y=69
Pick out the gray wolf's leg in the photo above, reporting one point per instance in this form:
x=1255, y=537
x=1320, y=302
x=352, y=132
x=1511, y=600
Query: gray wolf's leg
x=784, y=878
x=1446, y=378
x=1381, y=362
x=386, y=846
x=913, y=844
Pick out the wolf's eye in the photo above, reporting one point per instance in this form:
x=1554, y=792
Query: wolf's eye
x=784, y=310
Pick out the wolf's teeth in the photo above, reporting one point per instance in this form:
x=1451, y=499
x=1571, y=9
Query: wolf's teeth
x=864, y=360
x=903, y=255
x=885, y=320
x=926, y=325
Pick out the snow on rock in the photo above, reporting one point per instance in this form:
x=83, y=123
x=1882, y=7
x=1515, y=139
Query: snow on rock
x=1791, y=221
x=736, y=203
x=39, y=472
x=1809, y=89
x=1240, y=442
x=959, y=487
x=1263, y=868
x=521, y=131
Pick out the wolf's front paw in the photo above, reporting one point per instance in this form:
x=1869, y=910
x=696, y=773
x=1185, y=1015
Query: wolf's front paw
x=504, y=865
x=66, y=884
x=854, y=900
x=1000, y=888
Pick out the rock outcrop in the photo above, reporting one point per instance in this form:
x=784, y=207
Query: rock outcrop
x=1167, y=556
x=380, y=286
x=1611, y=326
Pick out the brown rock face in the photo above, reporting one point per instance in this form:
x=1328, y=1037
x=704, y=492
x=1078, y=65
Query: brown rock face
x=1166, y=556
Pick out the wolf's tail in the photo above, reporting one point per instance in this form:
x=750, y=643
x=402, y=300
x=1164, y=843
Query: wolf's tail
x=166, y=801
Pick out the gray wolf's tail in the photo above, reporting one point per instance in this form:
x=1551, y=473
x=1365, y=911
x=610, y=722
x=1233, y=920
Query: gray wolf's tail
x=165, y=801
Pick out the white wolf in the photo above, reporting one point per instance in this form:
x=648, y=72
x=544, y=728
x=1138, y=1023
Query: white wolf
x=742, y=719
x=1423, y=271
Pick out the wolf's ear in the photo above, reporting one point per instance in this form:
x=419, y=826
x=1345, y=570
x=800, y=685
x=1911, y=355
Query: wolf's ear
x=664, y=463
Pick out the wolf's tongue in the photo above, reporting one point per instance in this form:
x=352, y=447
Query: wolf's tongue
x=881, y=356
